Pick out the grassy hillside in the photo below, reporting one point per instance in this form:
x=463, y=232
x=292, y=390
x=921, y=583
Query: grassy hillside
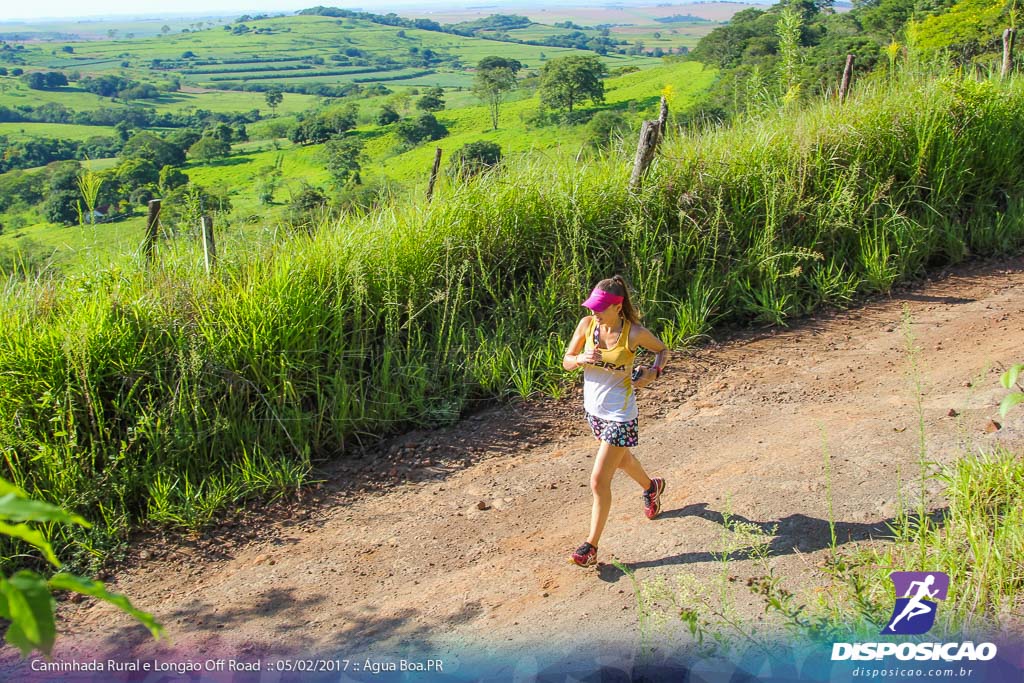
x=634, y=94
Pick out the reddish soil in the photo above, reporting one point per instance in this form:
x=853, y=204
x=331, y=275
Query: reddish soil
x=460, y=536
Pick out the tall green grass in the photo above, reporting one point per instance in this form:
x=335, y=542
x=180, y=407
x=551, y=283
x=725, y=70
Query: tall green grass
x=160, y=394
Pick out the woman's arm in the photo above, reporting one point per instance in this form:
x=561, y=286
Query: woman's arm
x=573, y=358
x=646, y=339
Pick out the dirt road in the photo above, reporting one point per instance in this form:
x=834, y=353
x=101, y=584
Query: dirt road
x=740, y=426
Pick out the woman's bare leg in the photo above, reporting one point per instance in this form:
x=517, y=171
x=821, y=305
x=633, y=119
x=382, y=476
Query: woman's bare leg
x=608, y=460
x=631, y=466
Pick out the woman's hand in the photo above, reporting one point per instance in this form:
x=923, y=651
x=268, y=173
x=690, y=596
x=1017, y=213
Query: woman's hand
x=647, y=375
x=591, y=356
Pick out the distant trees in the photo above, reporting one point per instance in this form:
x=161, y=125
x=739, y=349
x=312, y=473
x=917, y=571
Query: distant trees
x=149, y=146
x=49, y=80
x=116, y=86
x=495, y=78
x=566, y=81
x=320, y=127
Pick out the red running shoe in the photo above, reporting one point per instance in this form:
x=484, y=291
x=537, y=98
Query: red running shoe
x=652, y=497
x=585, y=556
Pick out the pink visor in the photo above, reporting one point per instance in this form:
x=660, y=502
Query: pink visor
x=600, y=300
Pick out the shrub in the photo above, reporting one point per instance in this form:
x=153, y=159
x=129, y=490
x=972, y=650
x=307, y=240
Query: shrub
x=473, y=158
x=414, y=131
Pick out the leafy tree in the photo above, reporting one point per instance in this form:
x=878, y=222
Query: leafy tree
x=148, y=146
x=221, y=131
x=473, y=158
x=966, y=30
x=171, y=178
x=495, y=78
x=566, y=81
x=274, y=96
x=209, y=147
x=134, y=173
x=309, y=203
x=50, y=80
x=414, y=131
x=123, y=130
x=387, y=115
x=400, y=101
x=63, y=175
x=320, y=127
x=432, y=101
x=21, y=186
x=61, y=206
x=310, y=131
x=185, y=138
x=343, y=155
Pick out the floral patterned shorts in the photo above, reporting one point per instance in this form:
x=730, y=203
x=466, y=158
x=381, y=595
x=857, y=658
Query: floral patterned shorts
x=626, y=434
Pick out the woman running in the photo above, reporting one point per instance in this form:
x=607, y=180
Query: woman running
x=604, y=345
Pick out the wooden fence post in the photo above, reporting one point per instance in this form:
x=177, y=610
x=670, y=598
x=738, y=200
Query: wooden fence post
x=662, y=119
x=651, y=135
x=847, y=75
x=209, y=245
x=433, y=174
x=1009, y=35
x=152, y=225
x=645, y=149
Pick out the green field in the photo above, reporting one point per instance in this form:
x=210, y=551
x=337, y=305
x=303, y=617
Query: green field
x=14, y=92
x=68, y=131
x=220, y=58
x=315, y=39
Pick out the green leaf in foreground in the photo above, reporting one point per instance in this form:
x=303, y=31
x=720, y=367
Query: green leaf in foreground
x=96, y=589
x=33, y=537
x=7, y=488
x=1009, y=377
x=27, y=603
x=1009, y=402
x=19, y=509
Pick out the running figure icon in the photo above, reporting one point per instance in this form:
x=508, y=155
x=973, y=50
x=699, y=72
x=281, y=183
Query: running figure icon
x=919, y=591
x=916, y=606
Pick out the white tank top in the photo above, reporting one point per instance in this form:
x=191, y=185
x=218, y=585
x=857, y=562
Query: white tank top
x=608, y=391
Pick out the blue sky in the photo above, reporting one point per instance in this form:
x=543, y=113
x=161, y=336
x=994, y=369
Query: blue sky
x=36, y=9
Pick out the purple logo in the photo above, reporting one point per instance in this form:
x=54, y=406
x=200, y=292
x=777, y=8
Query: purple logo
x=916, y=593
